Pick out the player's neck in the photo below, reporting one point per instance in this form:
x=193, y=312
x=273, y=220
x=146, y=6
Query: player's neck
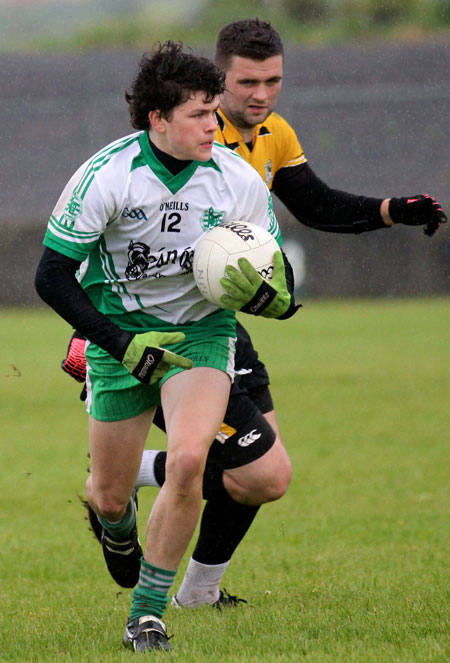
x=172, y=164
x=247, y=133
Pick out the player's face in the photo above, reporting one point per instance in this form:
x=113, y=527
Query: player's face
x=252, y=89
x=189, y=133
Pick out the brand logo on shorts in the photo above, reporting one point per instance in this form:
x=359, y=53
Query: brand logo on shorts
x=248, y=439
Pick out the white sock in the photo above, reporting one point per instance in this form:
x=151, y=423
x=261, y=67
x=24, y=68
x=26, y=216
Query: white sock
x=200, y=584
x=146, y=476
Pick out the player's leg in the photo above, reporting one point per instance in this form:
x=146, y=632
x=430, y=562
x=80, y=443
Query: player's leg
x=121, y=411
x=244, y=441
x=116, y=450
x=194, y=404
x=115, y=455
x=225, y=521
x=265, y=479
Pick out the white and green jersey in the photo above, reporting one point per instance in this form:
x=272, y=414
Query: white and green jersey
x=136, y=225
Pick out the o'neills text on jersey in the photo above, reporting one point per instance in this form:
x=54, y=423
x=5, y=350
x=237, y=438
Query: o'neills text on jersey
x=174, y=205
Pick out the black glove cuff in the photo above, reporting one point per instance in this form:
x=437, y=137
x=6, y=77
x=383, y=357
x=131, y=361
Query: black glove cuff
x=261, y=300
x=292, y=310
x=397, y=209
x=150, y=359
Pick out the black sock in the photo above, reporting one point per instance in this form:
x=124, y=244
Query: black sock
x=159, y=467
x=223, y=525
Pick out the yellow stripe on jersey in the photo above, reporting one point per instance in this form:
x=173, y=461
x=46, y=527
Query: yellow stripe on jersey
x=275, y=145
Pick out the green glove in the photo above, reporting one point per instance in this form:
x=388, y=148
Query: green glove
x=250, y=293
x=149, y=362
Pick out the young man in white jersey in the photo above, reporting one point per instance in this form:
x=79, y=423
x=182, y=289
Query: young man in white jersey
x=251, y=54
x=136, y=295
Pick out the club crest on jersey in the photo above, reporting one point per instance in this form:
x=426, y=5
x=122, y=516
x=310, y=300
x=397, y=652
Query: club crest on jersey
x=210, y=218
x=73, y=210
x=142, y=261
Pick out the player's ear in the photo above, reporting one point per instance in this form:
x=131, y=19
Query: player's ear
x=157, y=122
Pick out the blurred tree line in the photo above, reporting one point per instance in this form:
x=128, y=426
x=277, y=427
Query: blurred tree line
x=370, y=12
x=305, y=21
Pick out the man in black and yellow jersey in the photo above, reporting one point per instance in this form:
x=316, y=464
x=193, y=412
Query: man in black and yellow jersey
x=251, y=54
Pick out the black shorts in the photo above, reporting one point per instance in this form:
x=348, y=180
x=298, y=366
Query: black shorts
x=245, y=434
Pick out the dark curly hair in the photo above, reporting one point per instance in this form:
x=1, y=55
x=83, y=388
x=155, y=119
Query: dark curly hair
x=166, y=78
x=249, y=38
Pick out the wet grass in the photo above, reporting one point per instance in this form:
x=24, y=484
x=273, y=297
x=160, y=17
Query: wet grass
x=350, y=566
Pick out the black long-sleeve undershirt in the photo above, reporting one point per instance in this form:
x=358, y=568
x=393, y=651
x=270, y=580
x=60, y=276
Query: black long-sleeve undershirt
x=57, y=285
x=318, y=206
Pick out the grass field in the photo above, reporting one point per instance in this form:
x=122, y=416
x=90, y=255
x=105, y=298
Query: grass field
x=352, y=565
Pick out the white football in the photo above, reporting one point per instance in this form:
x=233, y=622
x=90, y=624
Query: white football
x=224, y=245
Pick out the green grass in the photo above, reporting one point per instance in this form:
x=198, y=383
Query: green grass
x=350, y=566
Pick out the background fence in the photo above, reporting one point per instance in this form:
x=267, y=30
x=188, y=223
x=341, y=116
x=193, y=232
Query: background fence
x=372, y=120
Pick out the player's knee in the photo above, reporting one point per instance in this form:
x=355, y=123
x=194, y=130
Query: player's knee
x=110, y=506
x=184, y=469
x=264, y=481
x=277, y=484
x=106, y=502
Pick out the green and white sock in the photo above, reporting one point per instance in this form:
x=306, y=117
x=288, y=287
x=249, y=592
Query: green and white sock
x=150, y=597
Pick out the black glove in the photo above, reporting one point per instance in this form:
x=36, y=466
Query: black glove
x=420, y=210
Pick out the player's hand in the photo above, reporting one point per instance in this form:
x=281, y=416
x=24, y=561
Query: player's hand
x=420, y=210
x=250, y=293
x=75, y=362
x=147, y=361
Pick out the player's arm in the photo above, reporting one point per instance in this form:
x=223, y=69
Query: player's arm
x=317, y=205
x=141, y=354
